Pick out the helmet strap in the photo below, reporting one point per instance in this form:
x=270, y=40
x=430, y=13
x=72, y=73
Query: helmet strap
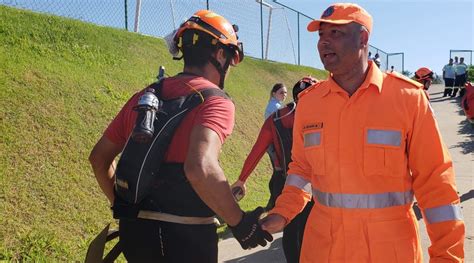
x=221, y=69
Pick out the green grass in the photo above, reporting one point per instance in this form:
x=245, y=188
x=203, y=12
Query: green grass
x=61, y=83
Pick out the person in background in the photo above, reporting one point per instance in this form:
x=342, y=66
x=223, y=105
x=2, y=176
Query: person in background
x=377, y=60
x=461, y=77
x=425, y=76
x=175, y=221
x=277, y=131
x=449, y=75
x=467, y=102
x=370, y=56
x=277, y=97
x=365, y=144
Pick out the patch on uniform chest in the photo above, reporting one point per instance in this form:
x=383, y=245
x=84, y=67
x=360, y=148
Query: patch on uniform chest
x=311, y=126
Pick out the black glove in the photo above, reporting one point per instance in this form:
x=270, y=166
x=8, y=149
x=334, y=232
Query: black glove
x=249, y=233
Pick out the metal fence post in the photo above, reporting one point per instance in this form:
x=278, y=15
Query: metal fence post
x=207, y=4
x=261, y=25
x=298, y=25
x=126, y=16
x=138, y=8
x=403, y=62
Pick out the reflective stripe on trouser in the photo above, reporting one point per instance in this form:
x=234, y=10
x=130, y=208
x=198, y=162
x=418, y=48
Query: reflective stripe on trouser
x=298, y=182
x=363, y=201
x=443, y=213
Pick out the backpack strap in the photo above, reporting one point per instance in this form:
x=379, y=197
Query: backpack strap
x=210, y=92
x=285, y=137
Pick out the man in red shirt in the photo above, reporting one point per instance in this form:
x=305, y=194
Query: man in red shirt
x=277, y=132
x=190, y=187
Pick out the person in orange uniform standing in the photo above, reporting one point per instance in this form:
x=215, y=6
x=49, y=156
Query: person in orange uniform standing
x=174, y=221
x=277, y=131
x=467, y=102
x=424, y=75
x=365, y=144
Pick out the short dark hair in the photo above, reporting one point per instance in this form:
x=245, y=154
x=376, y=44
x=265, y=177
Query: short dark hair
x=197, y=48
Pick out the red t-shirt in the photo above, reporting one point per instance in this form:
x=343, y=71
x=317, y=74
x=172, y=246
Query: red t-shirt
x=216, y=113
x=268, y=136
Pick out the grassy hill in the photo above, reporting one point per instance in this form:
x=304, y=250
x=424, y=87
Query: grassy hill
x=61, y=83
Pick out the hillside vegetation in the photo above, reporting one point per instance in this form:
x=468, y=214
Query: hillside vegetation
x=61, y=82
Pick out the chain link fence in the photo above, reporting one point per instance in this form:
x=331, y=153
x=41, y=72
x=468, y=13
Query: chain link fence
x=396, y=62
x=388, y=60
x=269, y=30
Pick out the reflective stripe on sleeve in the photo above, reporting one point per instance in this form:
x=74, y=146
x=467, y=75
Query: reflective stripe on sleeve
x=312, y=139
x=385, y=137
x=298, y=182
x=363, y=201
x=443, y=213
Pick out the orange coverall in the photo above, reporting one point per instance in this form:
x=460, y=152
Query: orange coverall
x=364, y=158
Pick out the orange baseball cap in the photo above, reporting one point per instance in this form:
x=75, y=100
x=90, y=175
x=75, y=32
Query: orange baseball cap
x=343, y=13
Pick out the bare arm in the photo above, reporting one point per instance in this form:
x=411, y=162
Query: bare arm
x=103, y=164
x=203, y=171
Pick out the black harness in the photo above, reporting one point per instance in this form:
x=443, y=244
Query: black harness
x=285, y=136
x=143, y=181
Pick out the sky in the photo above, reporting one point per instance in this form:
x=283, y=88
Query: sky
x=424, y=30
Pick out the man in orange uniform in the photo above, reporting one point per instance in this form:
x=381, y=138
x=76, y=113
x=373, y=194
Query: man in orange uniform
x=277, y=132
x=424, y=75
x=365, y=143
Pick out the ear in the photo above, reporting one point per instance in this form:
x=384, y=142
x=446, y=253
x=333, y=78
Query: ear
x=220, y=55
x=364, y=38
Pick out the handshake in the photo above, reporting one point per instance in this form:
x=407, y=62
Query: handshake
x=249, y=232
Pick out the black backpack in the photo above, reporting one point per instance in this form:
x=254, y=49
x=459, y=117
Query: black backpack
x=139, y=164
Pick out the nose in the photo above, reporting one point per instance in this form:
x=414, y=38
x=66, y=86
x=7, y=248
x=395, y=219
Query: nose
x=323, y=41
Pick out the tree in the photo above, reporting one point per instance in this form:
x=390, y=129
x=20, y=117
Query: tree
x=470, y=73
x=407, y=73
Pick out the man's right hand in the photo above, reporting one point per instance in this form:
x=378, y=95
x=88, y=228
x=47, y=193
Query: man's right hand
x=273, y=223
x=249, y=232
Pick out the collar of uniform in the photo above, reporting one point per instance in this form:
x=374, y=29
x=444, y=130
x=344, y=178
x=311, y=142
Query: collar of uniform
x=374, y=78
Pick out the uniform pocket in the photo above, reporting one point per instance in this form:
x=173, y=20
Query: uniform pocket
x=314, y=150
x=317, y=240
x=384, y=152
x=392, y=241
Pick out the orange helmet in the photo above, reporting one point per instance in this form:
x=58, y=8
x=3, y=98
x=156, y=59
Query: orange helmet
x=216, y=26
x=302, y=84
x=423, y=73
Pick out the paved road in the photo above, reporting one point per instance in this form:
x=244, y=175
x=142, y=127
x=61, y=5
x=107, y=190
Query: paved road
x=458, y=136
